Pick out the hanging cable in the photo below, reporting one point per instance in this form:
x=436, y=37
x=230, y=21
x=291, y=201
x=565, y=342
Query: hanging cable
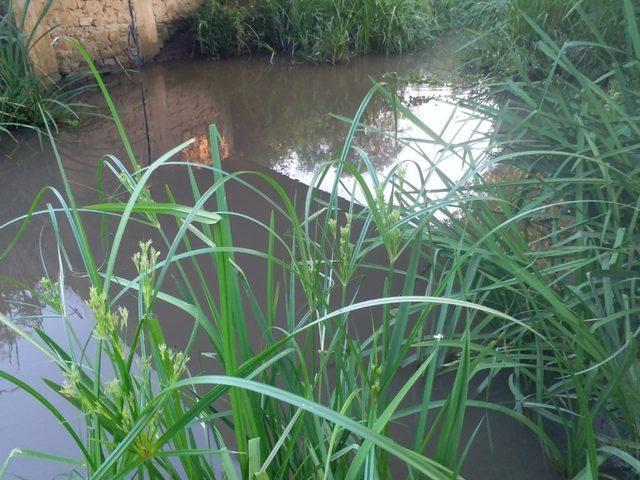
x=134, y=38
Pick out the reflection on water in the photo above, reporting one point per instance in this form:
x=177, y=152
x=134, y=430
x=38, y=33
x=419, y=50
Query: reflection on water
x=272, y=117
x=23, y=421
x=396, y=140
x=22, y=307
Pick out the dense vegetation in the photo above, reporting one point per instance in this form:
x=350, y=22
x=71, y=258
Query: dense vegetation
x=26, y=98
x=525, y=272
x=593, y=35
x=319, y=30
x=568, y=129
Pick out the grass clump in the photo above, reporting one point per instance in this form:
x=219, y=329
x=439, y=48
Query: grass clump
x=27, y=99
x=505, y=34
x=567, y=208
x=223, y=29
x=318, y=30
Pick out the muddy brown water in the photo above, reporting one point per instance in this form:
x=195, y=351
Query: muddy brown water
x=273, y=117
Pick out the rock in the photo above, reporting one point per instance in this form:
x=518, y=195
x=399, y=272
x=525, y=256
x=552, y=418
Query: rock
x=85, y=21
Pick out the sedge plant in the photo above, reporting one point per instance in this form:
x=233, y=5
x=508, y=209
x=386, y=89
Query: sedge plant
x=318, y=397
x=524, y=268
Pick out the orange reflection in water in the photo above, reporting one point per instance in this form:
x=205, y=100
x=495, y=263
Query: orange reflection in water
x=199, y=152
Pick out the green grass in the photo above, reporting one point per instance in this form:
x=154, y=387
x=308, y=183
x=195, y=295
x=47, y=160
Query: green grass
x=318, y=30
x=559, y=236
x=526, y=269
x=336, y=398
x=504, y=33
x=314, y=421
x=27, y=99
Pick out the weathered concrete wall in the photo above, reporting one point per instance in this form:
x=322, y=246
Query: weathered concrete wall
x=104, y=28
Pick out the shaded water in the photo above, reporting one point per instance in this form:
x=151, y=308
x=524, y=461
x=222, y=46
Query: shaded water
x=272, y=117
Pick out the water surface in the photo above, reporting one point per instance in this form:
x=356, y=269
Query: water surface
x=273, y=118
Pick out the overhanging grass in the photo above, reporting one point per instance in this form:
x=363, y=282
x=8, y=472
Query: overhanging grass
x=138, y=420
x=484, y=255
x=144, y=418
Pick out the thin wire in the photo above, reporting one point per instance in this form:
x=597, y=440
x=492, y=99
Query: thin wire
x=133, y=34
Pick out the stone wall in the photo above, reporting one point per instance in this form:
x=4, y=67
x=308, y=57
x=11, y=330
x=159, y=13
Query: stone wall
x=104, y=28
x=172, y=15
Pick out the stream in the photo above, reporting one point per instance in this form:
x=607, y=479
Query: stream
x=274, y=117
